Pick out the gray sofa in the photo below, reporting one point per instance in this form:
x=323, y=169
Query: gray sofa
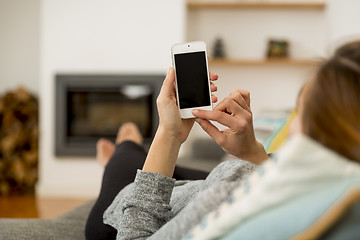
x=69, y=226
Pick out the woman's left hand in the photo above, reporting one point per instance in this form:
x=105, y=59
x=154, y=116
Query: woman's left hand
x=239, y=138
x=169, y=116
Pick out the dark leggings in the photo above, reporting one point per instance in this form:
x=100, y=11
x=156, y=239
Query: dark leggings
x=119, y=172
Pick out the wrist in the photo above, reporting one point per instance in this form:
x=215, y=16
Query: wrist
x=168, y=136
x=256, y=154
x=163, y=153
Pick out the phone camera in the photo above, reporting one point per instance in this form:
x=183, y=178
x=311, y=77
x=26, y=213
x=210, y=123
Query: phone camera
x=188, y=45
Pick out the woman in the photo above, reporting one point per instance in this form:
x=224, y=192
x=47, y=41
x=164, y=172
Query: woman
x=129, y=155
x=157, y=207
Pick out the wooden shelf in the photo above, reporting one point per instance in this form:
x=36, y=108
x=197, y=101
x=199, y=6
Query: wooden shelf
x=255, y=5
x=264, y=62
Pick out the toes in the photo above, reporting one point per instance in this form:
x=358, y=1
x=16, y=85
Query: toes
x=129, y=131
x=102, y=142
x=104, y=150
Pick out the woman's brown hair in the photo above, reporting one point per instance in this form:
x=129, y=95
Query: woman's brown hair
x=331, y=103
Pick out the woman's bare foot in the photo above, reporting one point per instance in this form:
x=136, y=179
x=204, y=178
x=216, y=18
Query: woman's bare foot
x=104, y=150
x=129, y=132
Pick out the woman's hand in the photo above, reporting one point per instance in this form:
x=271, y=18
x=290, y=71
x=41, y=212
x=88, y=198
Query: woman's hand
x=239, y=139
x=169, y=115
x=172, y=131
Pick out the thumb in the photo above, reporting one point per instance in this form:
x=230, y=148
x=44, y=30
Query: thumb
x=168, y=85
x=210, y=129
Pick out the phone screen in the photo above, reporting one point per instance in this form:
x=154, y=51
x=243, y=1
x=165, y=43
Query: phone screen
x=192, y=79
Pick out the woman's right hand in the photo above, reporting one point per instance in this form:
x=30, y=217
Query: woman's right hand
x=172, y=131
x=239, y=138
x=169, y=116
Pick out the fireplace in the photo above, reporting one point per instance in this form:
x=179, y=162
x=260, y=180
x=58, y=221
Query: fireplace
x=89, y=107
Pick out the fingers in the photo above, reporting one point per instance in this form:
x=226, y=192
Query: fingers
x=218, y=116
x=214, y=99
x=234, y=111
x=213, y=76
x=244, y=94
x=213, y=87
x=235, y=103
x=229, y=106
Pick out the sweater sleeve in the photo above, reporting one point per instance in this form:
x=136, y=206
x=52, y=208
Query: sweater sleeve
x=146, y=208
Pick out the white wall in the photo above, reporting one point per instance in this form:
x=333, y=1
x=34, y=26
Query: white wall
x=19, y=44
x=94, y=36
x=245, y=33
x=312, y=33
x=343, y=18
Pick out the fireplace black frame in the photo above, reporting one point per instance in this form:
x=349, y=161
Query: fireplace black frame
x=64, y=147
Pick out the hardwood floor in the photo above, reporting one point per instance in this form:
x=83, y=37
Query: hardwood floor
x=33, y=207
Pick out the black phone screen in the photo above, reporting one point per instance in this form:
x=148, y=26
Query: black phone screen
x=192, y=79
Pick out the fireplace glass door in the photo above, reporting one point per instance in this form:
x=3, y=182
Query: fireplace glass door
x=97, y=113
x=90, y=107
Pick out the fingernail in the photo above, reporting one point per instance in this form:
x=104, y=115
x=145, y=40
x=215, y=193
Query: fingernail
x=195, y=111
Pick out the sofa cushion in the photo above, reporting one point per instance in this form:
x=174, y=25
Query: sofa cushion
x=308, y=217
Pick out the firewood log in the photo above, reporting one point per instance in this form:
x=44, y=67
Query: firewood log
x=19, y=133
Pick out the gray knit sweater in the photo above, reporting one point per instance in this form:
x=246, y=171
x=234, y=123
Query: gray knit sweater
x=158, y=207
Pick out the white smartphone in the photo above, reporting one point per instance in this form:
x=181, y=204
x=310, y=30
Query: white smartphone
x=192, y=77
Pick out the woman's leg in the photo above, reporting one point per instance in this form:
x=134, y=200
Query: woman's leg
x=182, y=173
x=120, y=170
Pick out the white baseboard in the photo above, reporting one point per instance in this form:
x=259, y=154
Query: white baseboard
x=49, y=191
